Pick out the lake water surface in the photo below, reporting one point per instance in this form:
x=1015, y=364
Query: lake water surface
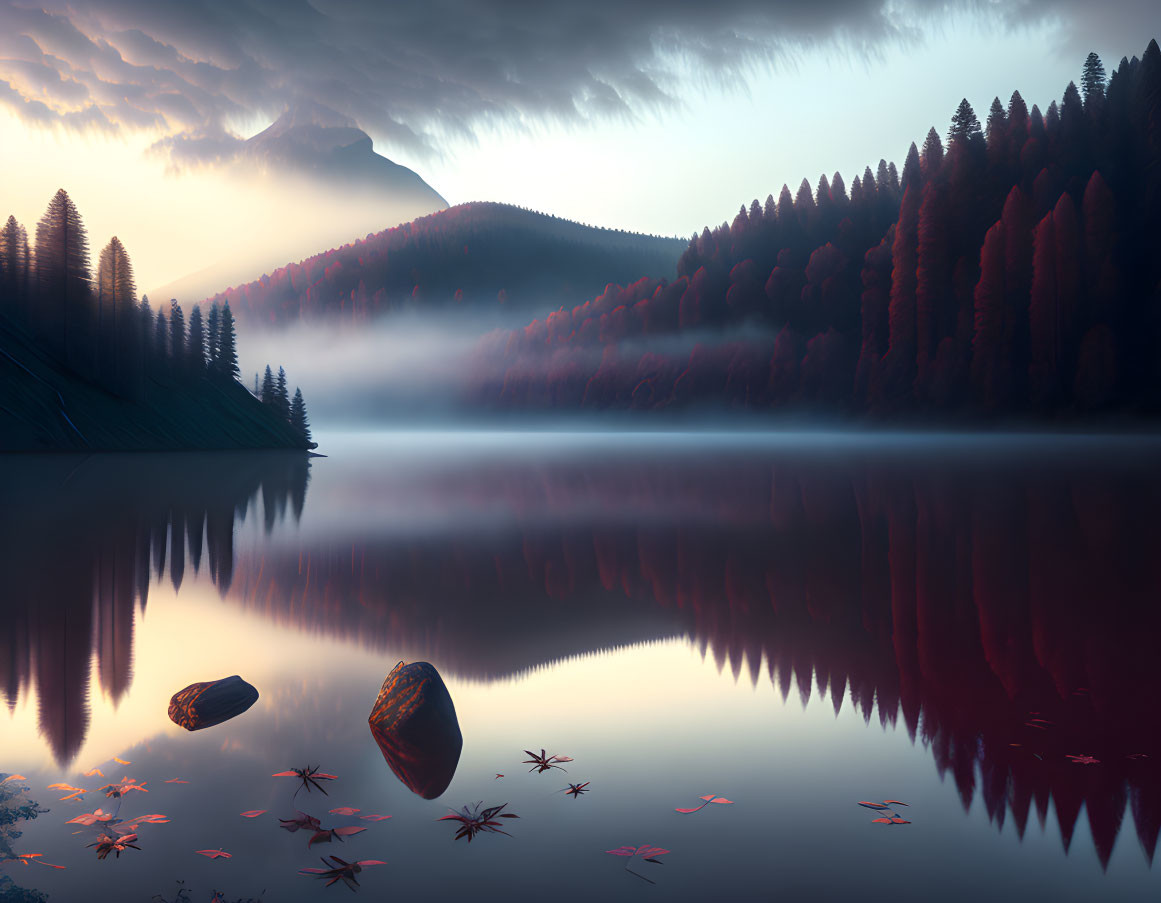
x=793, y=622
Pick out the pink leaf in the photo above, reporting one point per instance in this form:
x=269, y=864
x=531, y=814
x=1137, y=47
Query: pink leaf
x=722, y=800
x=348, y=830
x=253, y=813
x=374, y=817
x=344, y=810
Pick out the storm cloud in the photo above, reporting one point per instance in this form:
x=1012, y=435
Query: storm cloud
x=413, y=73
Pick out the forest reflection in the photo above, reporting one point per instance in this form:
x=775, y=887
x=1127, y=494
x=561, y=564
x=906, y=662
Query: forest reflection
x=1001, y=609
x=80, y=542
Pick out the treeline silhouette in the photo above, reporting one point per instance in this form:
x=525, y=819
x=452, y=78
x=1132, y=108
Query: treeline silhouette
x=958, y=596
x=1014, y=270
x=472, y=255
x=82, y=539
x=94, y=326
x=274, y=392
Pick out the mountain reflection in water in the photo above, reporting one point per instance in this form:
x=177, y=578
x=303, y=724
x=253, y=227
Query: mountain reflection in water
x=999, y=605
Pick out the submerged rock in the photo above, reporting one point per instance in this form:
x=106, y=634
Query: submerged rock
x=414, y=722
x=212, y=702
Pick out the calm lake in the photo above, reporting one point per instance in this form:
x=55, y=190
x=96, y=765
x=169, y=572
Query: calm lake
x=795, y=623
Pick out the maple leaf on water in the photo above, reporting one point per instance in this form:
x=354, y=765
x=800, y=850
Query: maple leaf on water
x=708, y=799
x=887, y=815
x=25, y=858
x=107, y=844
x=310, y=777
x=252, y=813
x=214, y=854
x=575, y=790
x=474, y=820
x=543, y=762
x=1083, y=759
x=344, y=810
x=645, y=853
x=374, y=817
x=119, y=789
x=91, y=818
x=303, y=821
x=326, y=835
x=340, y=870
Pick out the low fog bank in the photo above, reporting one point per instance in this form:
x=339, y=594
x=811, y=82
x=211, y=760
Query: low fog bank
x=442, y=368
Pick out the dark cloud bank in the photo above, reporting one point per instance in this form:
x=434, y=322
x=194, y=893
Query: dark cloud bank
x=411, y=73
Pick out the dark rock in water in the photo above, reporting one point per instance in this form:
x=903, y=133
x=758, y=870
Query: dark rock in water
x=206, y=704
x=414, y=722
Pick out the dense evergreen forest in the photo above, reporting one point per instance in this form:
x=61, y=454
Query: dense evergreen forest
x=1014, y=269
x=478, y=255
x=83, y=364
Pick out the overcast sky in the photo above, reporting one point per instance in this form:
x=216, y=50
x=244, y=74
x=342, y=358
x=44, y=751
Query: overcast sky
x=652, y=115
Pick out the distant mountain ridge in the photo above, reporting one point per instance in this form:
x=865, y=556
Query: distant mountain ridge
x=327, y=144
x=481, y=254
x=350, y=190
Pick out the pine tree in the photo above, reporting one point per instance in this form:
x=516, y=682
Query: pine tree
x=965, y=127
x=12, y=277
x=161, y=343
x=991, y=361
x=177, y=345
x=932, y=155
x=268, y=390
x=63, y=279
x=1092, y=81
x=933, y=282
x=227, y=344
x=281, y=398
x=214, y=337
x=298, y=419
x=196, y=345
x=120, y=350
x=900, y=360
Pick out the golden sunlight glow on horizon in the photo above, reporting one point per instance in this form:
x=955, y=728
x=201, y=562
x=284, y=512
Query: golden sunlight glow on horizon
x=173, y=224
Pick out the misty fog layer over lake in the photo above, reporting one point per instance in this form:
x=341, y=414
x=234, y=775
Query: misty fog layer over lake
x=792, y=622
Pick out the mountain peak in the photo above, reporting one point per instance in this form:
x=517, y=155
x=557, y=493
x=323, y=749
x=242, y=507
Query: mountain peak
x=305, y=113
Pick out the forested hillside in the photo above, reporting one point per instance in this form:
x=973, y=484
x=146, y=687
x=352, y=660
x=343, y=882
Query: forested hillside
x=84, y=365
x=1014, y=269
x=482, y=255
